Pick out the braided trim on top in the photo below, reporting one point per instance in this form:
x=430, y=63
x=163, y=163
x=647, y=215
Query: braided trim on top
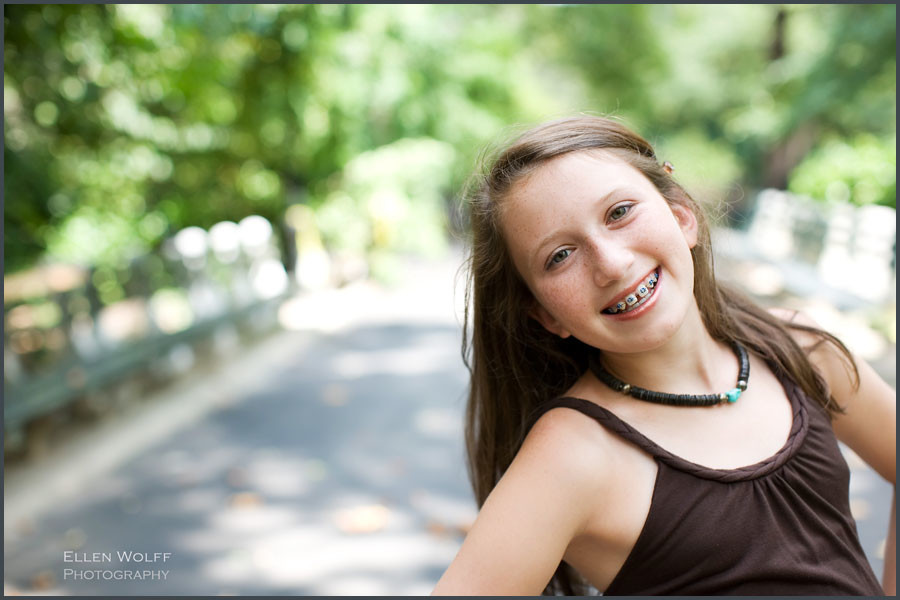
x=799, y=429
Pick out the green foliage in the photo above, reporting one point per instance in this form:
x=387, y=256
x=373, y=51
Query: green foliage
x=126, y=123
x=391, y=198
x=861, y=171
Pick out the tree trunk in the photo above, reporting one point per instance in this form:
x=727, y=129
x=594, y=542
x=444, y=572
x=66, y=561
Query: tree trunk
x=788, y=153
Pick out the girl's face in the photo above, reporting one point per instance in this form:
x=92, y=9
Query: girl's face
x=589, y=234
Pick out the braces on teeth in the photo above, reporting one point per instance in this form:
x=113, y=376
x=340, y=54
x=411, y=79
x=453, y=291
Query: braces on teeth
x=636, y=297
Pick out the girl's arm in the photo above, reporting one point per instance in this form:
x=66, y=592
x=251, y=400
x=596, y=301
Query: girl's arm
x=528, y=520
x=869, y=426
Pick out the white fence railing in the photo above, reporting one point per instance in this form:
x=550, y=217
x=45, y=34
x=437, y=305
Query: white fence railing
x=839, y=248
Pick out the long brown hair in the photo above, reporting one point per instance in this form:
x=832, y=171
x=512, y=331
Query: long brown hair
x=515, y=364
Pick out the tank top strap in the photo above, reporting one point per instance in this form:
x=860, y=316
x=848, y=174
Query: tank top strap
x=613, y=423
x=606, y=418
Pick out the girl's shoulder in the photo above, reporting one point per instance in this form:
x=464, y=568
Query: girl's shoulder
x=576, y=445
x=794, y=316
x=606, y=483
x=567, y=438
x=569, y=452
x=827, y=358
x=573, y=425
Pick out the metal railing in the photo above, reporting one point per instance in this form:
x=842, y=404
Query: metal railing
x=73, y=335
x=844, y=252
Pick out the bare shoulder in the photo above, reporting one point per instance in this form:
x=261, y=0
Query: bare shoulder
x=579, y=446
x=830, y=360
x=570, y=443
x=561, y=420
x=792, y=316
x=789, y=314
x=797, y=317
x=827, y=358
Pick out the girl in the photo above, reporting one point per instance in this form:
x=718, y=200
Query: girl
x=633, y=424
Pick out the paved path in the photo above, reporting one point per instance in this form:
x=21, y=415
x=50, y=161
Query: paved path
x=325, y=460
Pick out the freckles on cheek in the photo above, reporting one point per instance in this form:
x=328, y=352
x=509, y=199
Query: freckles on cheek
x=561, y=296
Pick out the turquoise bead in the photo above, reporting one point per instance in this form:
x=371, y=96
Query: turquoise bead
x=733, y=395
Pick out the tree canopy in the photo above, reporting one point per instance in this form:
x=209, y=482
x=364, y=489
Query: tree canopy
x=125, y=123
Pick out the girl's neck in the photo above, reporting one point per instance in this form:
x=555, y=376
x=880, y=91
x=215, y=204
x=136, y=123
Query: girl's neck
x=690, y=362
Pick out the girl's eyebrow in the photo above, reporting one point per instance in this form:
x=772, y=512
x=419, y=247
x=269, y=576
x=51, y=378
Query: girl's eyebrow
x=538, y=250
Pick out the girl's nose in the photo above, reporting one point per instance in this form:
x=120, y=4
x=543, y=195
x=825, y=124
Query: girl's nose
x=610, y=263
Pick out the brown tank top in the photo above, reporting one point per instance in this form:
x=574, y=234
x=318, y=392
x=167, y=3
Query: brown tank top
x=781, y=526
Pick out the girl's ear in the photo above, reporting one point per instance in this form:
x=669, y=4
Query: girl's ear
x=548, y=321
x=687, y=220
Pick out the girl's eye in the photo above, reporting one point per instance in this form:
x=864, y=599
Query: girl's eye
x=619, y=212
x=559, y=257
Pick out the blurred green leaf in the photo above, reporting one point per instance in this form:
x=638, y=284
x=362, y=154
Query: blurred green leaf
x=861, y=171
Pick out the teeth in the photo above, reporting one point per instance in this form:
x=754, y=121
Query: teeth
x=637, y=297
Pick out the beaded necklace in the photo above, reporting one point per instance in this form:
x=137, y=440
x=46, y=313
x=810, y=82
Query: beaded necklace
x=634, y=391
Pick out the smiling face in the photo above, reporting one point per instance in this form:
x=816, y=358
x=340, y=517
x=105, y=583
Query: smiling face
x=606, y=257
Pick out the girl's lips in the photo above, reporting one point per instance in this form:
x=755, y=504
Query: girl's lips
x=643, y=308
